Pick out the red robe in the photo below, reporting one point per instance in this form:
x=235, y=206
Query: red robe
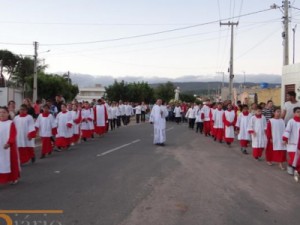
x=14, y=159
x=271, y=155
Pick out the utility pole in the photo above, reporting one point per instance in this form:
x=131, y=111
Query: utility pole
x=231, y=75
x=285, y=33
x=34, y=98
x=294, y=43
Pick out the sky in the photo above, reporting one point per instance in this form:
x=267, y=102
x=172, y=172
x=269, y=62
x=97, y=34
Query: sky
x=90, y=36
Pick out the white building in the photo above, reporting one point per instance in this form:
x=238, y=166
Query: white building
x=7, y=94
x=290, y=81
x=90, y=93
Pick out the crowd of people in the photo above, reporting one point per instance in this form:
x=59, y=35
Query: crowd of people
x=269, y=129
x=58, y=125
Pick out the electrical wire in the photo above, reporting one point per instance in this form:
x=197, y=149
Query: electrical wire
x=141, y=35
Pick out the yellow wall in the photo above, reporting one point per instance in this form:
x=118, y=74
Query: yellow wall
x=269, y=94
x=264, y=95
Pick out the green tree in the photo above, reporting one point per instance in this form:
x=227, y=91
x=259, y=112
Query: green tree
x=133, y=92
x=165, y=91
x=187, y=97
x=117, y=91
x=9, y=61
x=50, y=85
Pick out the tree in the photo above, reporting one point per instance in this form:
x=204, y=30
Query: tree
x=187, y=97
x=165, y=91
x=49, y=85
x=133, y=92
x=9, y=61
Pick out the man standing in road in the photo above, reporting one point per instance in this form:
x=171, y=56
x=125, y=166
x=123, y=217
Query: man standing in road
x=158, y=119
x=289, y=106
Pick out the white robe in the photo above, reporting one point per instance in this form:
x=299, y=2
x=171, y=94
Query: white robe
x=218, y=119
x=5, y=127
x=158, y=118
x=128, y=110
x=199, y=113
x=100, y=115
x=76, y=126
x=45, y=125
x=191, y=113
x=24, y=126
x=277, y=129
x=206, y=111
x=229, y=116
x=86, y=114
x=242, y=124
x=292, y=133
x=259, y=127
x=61, y=120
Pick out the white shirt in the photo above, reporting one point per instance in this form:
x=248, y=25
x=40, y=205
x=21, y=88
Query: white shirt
x=289, y=107
x=177, y=111
x=138, y=109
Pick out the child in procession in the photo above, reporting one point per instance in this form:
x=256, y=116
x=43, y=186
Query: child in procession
x=242, y=128
x=9, y=160
x=46, y=126
x=64, y=123
x=276, y=150
x=218, y=122
x=229, y=119
x=291, y=139
x=25, y=135
x=257, y=128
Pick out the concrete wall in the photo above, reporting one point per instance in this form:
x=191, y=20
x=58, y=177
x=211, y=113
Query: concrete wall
x=7, y=94
x=290, y=75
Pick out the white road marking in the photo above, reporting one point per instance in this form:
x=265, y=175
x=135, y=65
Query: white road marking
x=118, y=148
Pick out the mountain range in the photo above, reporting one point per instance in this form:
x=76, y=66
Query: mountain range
x=188, y=82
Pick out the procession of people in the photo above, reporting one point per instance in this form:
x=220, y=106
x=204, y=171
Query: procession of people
x=264, y=127
x=60, y=125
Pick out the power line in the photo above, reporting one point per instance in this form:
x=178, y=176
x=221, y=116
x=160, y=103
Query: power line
x=142, y=35
x=161, y=47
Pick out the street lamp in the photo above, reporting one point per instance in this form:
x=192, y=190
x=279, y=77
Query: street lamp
x=294, y=44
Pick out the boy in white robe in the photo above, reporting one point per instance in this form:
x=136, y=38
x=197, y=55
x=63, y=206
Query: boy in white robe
x=25, y=135
x=86, y=119
x=291, y=139
x=100, y=117
x=76, y=116
x=191, y=116
x=64, y=123
x=276, y=150
x=229, y=119
x=199, y=120
x=218, y=126
x=177, y=113
x=257, y=128
x=158, y=119
x=46, y=126
x=206, y=122
x=9, y=159
x=242, y=128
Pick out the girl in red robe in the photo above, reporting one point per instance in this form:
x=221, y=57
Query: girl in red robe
x=9, y=160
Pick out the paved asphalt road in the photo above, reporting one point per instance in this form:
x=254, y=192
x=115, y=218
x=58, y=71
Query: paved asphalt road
x=123, y=179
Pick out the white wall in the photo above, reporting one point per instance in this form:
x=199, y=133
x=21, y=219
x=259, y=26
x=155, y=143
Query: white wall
x=3, y=96
x=290, y=75
x=7, y=94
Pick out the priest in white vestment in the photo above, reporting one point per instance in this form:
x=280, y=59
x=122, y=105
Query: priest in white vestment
x=158, y=119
